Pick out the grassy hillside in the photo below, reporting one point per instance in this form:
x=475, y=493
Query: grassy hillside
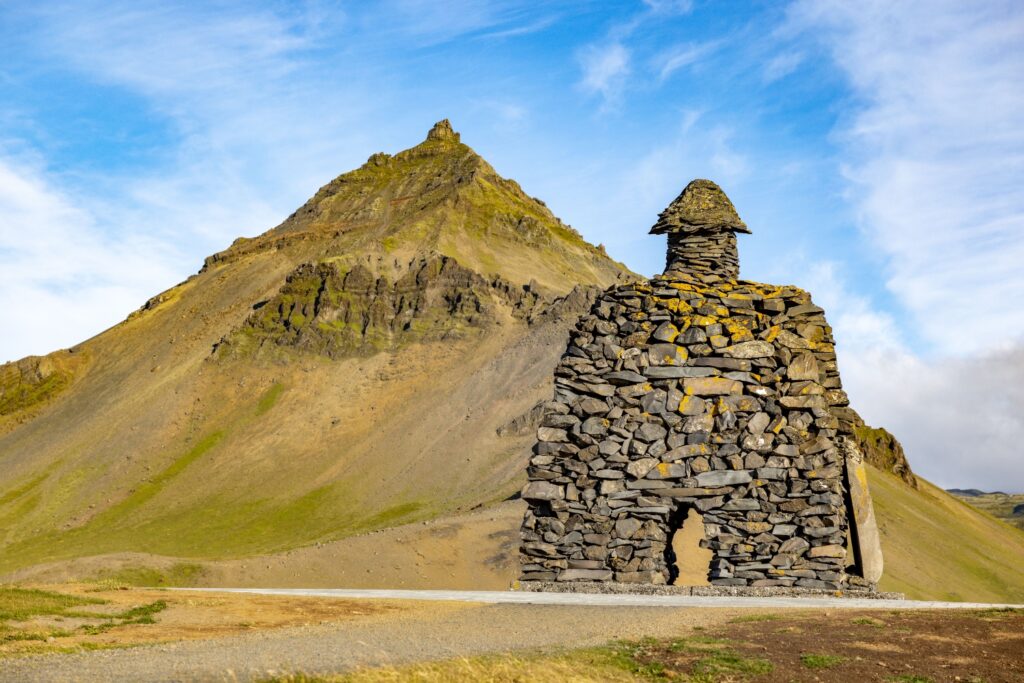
x=145, y=439
x=937, y=547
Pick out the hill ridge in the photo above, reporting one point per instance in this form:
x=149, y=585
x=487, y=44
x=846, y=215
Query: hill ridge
x=418, y=200
x=172, y=438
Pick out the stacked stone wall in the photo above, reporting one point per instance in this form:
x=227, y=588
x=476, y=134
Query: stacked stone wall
x=693, y=391
x=703, y=253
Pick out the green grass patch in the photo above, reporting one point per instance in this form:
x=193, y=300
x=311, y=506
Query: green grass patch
x=24, y=604
x=180, y=574
x=269, y=399
x=147, y=490
x=20, y=491
x=712, y=659
x=28, y=636
x=727, y=664
x=143, y=614
x=909, y=678
x=750, y=618
x=869, y=621
x=819, y=661
x=20, y=604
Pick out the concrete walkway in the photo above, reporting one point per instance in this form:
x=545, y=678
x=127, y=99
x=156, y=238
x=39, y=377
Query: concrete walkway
x=598, y=600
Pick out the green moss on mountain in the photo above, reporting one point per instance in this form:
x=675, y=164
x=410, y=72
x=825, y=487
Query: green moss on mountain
x=337, y=310
x=334, y=311
x=34, y=381
x=882, y=450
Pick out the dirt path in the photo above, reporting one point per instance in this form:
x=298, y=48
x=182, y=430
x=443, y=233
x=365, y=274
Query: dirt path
x=430, y=631
x=608, y=600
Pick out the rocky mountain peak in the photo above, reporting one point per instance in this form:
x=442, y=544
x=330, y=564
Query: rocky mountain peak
x=438, y=196
x=702, y=206
x=443, y=130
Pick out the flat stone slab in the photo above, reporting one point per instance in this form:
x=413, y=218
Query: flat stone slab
x=609, y=588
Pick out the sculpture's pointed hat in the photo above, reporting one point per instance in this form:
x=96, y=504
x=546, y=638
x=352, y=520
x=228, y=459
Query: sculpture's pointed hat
x=702, y=206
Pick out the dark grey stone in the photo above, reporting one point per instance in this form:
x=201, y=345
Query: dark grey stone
x=723, y=478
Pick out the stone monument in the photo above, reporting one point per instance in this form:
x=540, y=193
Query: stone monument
x=699, y=398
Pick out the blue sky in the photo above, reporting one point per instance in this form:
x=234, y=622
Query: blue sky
x=875, y=149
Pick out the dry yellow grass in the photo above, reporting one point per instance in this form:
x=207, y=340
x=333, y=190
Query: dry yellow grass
x=508, y=669
x=598, y=665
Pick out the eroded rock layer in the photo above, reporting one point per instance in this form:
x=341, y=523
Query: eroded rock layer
x=337, y=308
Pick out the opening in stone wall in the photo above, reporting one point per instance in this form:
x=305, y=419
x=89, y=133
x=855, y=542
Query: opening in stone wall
x=689, y=564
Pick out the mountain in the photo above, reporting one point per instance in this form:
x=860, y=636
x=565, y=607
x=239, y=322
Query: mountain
x=350, y=399
x=347, y=370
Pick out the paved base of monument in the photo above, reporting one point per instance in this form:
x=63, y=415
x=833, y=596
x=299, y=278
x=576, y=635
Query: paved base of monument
x=605, y=588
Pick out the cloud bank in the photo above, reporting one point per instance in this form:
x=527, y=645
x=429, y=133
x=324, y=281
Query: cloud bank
x=934, y=156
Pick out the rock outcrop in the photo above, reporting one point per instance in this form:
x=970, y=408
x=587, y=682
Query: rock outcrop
x=30, y=383
x=336, y=309
x=880, y=448
x=696, y=390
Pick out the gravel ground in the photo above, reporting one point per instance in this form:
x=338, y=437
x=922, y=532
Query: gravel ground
x=416, y=635
x=394, y=639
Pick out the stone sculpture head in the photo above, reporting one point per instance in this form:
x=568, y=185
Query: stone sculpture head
x=701, y=225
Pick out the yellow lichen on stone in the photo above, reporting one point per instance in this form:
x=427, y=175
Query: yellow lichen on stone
x=742, y=336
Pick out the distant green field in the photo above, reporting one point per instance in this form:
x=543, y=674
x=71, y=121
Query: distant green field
x=1001, y=505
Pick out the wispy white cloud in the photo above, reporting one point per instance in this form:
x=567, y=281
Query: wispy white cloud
x=680, y=57
x=428, y=22
x=249, y=145
x=230, y=84
x=782, y=65
x=936, y=156
x=663, y=7
x=60, y=277
x=522, y=29
x=605, y=68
